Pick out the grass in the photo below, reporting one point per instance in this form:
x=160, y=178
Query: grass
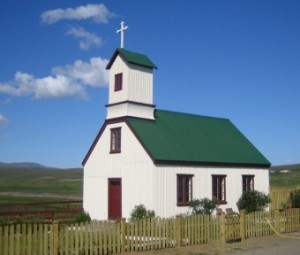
x=281, y=178
x=18, y=184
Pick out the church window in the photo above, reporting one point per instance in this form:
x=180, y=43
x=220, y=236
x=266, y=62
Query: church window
x=219, y=188
x=184, y=189
x=248, y=182
x=118, y=81
x=115, y=140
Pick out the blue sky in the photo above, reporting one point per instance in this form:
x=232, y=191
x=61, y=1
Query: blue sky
x=234, y=59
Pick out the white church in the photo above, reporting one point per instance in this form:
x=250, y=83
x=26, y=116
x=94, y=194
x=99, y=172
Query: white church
x=162, y=159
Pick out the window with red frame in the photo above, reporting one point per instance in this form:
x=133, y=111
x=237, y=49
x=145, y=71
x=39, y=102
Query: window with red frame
x=115, y=140
x=118, y=81
x=248, y=182
x=219, y=188
x=184, y=189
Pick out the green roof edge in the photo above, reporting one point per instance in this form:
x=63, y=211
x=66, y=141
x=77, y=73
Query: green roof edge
x=131, y=57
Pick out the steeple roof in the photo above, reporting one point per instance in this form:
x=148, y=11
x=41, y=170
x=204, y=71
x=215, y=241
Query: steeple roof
x=131, y=57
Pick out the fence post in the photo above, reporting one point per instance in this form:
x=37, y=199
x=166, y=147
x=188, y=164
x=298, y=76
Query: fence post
x=222, y=228
x=123, y=234
x=277, y=220
x=242, y=225
x=178, y=231
x=55, y=237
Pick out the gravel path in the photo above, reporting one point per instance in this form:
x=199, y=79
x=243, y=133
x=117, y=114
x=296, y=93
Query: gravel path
x=268, y=245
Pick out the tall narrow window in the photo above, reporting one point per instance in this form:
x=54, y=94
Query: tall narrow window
x=219, y=188
x=248, y=182
x=118, y=81
x=184, y=189
x=115, y=140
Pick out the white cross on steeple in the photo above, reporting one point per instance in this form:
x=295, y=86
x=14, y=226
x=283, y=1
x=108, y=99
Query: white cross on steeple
x=123, y=28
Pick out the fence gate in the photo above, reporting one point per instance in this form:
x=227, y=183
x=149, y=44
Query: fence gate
x=233, y=228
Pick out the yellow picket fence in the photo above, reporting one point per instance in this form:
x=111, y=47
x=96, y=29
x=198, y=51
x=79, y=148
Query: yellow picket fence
x=149, y=234
x=280, y=197
x=267, y=223
x=198, y=229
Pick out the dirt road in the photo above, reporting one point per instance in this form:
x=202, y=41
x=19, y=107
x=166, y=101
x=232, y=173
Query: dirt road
x=272, y=245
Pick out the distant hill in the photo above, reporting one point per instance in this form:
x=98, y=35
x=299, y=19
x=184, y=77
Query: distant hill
x=285, y=167
x=32, y=181
x=22, y=165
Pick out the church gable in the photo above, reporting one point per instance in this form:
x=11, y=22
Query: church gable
x=116, y=137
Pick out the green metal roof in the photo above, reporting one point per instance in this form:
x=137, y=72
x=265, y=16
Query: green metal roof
x=193, y=139
x=132, y=57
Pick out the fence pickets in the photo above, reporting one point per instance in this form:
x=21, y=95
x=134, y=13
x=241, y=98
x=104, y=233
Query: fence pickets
x=99, y=237
x=280, y=197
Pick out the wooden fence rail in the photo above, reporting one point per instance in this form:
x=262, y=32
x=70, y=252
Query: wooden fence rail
x=46, y=211
x=33, y=208
x=149, y=234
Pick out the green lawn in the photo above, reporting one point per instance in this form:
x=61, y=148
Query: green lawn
x=39, y=184
x=279, y=177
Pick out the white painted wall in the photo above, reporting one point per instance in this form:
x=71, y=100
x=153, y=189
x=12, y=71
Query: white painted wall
x=132, y=165
x=119, y=66
x=141, y=84
x=151, y=185
x=137, y=83
x=166, y=191
x=130, y=109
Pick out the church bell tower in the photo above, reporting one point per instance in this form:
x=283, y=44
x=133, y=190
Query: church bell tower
x=130, y=84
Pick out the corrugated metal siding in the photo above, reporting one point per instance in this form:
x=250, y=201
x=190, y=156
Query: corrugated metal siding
x=141, y=84
x=133, y=165
x=166, y=191
x=118, y=67
x=137, y=83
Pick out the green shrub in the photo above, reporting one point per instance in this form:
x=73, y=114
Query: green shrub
x=252, y=201
x=295, y=198
x=203, y=206
x=4, y=221
x=82, y=217
x=140, y=212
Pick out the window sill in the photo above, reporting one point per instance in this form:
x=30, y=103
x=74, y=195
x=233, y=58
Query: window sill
x=183, y=204
x=221, y=202
x=114, y=152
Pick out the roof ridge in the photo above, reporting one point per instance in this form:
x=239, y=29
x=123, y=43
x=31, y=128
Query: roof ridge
x=191, y=114
x=132, y=57
x=130, y=51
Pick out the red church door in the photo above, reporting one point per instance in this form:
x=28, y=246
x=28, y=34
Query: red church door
x=114, y=199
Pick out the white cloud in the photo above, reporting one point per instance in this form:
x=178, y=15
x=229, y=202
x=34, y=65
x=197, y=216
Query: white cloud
x=87, y=39
x=92, y=73
x=65, y=81
x=3, y=120
x=97, y=12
